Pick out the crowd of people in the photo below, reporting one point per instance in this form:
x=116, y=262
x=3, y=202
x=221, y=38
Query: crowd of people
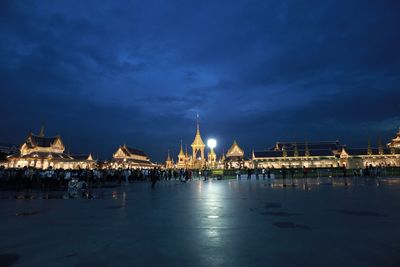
x=31, y=178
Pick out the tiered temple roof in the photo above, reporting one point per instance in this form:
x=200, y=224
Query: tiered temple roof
x=132, y=157
x=198, y=141
x=395, y=143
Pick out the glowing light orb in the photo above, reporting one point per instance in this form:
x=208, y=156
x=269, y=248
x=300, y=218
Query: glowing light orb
x=211, y=143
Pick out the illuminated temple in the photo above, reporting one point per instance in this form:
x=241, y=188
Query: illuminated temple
x=39, y=151
x=127, y=157
x=197, y=159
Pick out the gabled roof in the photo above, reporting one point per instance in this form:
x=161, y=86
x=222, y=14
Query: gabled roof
x=133, y=151
x=235, y=151
x=41, y=141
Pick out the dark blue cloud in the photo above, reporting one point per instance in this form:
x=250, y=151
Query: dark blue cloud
x=137, y=72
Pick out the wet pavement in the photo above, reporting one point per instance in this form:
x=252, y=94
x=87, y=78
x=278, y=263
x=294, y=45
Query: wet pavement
x=213, y=223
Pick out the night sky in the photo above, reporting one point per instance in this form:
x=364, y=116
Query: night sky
x=104, y=73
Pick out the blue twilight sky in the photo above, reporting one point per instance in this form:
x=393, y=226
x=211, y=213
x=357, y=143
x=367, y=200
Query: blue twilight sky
x=104, y=73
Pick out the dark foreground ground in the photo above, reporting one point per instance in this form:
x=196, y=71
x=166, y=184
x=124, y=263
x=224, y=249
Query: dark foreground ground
x=213, y=223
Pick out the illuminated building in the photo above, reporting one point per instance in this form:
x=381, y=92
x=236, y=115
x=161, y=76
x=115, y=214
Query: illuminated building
x=198, y=146
x=299, y=154
x=235, y=157
x=395, y=143
x=126, y=157
x=327, y=154
x=43, y=152
x=169, y=163
x=197, y=160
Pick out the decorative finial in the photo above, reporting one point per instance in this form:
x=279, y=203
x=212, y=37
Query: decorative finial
x=198, y=125
x=41, y=134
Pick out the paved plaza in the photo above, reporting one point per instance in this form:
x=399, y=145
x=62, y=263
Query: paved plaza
x=212, y=223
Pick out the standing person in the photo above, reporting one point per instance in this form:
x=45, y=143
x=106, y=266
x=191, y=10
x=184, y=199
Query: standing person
x=153, y=177
x=292, y=174
x=186, y=175
x=256, y=171
x=344, y=170
x=268, y=173
x=283, y=171
x=190, y=174
x=238, y=176
x=263, y=173
x=49, y=177
x=248, y=174
x=305, y=172
x=181, y=173
x=205, y=172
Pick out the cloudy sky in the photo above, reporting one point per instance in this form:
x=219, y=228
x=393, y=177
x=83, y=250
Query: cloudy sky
x=104, y=73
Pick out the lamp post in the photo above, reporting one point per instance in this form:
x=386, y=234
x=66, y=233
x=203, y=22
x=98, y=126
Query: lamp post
x=211, y=143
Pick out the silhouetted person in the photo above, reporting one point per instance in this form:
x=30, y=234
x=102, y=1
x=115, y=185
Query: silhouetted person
x=305, y=172
x=291, y=170
x=283, y=171
x=153, y=177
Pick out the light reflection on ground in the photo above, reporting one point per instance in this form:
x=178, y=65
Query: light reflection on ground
x=316, y=222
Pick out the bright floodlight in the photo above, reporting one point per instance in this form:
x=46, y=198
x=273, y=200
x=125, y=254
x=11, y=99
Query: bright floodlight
x=211, y=143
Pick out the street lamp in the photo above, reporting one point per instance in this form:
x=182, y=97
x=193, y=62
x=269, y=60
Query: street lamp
x=211, y=143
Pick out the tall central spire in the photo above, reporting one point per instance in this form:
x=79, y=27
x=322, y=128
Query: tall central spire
x=198, y=144
x=198, y=125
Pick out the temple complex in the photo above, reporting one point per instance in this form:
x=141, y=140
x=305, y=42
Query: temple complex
x=39, y=151
x=197, y=159
x=126, y=157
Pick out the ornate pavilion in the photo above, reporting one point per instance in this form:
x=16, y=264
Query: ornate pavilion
x=197, y=160
x=39, y=151
x=127, y=157
x=234, y=158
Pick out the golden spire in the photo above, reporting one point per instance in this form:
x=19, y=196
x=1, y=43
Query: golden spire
x=369, y=149
x=198, y=124
x=380, y=147
x=198, y=141
x=307, y=150
x=181, y=151
x=41, y=134
x=168, y=157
